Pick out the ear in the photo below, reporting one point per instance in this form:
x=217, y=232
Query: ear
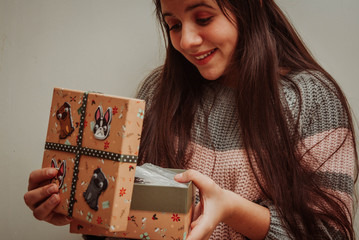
x=53, y=163
x=105, y=184
x=108, y=115
x=61, y=173
x=62, y=168
x=98, y=113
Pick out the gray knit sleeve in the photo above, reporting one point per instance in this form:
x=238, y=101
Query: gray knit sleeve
x=276, y=228
x=327, y=146
x=278, y=232
x=320, y=109
x=148, y=87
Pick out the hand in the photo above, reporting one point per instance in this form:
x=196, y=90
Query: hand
x=42, y=197
x=219, y=205
x=212, y=208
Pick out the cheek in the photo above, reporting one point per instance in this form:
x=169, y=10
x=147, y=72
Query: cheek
x=175, y=40
x=226, y=35
x=234, y=38
x=229, y=44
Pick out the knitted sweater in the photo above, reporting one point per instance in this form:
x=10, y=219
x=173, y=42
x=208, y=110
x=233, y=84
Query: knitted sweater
x=219, y=153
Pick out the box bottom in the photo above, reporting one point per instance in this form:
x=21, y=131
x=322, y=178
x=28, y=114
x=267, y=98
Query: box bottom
x=142, y=225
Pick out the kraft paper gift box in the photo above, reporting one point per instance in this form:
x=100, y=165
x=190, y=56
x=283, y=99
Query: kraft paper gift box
x=93, y=139
x=157, y=212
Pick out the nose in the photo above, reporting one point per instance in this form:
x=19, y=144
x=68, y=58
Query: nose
x=190, y=37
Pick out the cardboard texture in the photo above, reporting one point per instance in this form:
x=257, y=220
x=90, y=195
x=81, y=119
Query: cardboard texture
x=157, y=212
x=93, y=139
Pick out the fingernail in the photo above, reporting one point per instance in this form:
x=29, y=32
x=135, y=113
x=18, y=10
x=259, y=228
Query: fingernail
x=53, y=199
x=179, y=176
x=69, y=219
x=52, y=189
x=51, y=172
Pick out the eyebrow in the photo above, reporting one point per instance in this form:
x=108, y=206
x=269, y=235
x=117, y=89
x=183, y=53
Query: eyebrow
x=189, y=8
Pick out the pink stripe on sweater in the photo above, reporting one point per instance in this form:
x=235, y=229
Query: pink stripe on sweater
x=229, y=169
x=327, y=143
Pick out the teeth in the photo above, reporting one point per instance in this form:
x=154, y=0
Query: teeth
x=204, y=55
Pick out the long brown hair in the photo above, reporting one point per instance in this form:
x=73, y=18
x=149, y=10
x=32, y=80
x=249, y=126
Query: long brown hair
x=267, y=44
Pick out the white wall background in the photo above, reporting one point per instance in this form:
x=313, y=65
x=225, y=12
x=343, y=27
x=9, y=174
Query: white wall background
x=110, y=46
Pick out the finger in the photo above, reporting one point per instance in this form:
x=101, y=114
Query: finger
x=44, y=210
x=59, y=219
x=40, y=175
x=33, y=197
x=202, y=182
x=195, y=222
x=197, y=211
x=201, y=230
x=44, y=183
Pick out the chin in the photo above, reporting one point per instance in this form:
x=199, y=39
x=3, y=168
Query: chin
x=211, y=76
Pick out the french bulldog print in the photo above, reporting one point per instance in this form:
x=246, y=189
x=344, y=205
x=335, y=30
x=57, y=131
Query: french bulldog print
x=102, y=123
x=63, y=114
x=61, y=171
x=97, y=185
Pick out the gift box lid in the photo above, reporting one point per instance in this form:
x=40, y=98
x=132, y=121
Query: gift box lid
x=93, y=139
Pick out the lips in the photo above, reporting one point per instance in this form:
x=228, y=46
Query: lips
x=204, y=57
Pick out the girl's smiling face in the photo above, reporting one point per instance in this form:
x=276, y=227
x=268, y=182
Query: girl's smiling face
x=202, y=34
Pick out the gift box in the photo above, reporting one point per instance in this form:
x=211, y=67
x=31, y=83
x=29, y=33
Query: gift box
x=93, y=139
x=157, y=212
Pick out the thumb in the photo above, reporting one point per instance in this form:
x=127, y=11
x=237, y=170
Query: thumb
x=201, y=181
x=189, y=175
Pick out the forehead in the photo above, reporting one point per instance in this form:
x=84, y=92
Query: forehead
x=171, y=6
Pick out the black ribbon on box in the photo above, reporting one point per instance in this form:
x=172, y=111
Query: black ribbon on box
x=79, y=150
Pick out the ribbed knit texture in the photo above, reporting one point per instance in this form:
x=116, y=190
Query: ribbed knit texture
x=219, y=154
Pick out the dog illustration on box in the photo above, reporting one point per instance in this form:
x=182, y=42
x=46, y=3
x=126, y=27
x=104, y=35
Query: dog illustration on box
x=63, y=114
x=97, y=185
x=61, y=172
x=102, y=123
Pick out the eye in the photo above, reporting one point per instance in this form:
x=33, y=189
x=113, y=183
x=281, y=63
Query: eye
x=66, y=109
x=204, y=21
x=175, y=27
x=173, y=24
x=95, y=175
